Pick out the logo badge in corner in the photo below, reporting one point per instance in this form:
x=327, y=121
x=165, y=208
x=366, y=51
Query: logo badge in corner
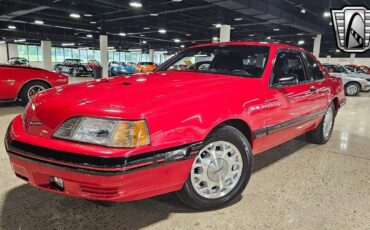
x=352, y=28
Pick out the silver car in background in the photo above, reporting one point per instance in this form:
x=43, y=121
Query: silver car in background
x=352, y=85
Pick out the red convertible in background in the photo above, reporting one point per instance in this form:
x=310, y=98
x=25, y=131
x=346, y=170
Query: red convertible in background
x=193, y=131
x=22, y=82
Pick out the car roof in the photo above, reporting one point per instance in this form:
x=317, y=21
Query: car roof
x=252, y=43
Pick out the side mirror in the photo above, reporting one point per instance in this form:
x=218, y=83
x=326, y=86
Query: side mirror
x=287, y=79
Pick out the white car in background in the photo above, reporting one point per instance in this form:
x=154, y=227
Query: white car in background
x=352, y=85
x=355, y=73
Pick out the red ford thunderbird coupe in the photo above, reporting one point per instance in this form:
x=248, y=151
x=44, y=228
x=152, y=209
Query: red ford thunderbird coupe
x=22, y=82
x=193, y=130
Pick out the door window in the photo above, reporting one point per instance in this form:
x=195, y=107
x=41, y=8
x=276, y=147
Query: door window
x=313, y=68
x=288, y=63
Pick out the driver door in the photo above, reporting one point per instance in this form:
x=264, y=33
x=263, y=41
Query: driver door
x=295, y=99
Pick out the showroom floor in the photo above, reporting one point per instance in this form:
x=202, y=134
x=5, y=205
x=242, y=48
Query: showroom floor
x=294, y=186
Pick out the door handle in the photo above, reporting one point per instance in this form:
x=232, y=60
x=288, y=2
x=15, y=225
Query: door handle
x=313, y=89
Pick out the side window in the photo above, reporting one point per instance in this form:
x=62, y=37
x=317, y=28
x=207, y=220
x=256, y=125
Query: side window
x=313, y=68
x=288, y=63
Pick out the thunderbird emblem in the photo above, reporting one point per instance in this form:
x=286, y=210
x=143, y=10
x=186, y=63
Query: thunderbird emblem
x=352, y=28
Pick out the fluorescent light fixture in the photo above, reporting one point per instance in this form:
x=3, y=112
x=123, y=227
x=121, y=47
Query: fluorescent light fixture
x=177, y=0
x=68, y=44
x=83, y=48
x=326, y=14
x=238, y=19
x=92, y=22
x=146, y=28
x=110, y=47
x=88, y=15
x=20, y=40
x=74, y=15
x=135, y=50
x=122, y=34
x=188, y=35
x=176, y=40
x=144, y=42
x=39, y=22
x=251, y=35
x=215, y=38
x=142, y=35
x=136, y=4
x=268, y=38
x=12, y=27
x=330, y=23
x=276, y=29
x=182, y=46
x=337, y=51
x=154, y=14
x=303, y=10
x=299, y=34
x=162, y=31
x=218, y=25
x=300, y=42
x=89, y=35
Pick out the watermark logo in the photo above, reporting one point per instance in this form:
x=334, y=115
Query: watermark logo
x=352, y=28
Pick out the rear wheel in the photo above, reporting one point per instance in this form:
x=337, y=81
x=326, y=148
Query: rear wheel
x=220, y=172
x=75, y=73
x=323, y=132
x=352, y=89
x=30, y=90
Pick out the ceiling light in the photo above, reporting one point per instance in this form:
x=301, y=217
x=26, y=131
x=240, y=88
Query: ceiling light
x=122, y=34
x=276, y=29
x=330, y=23
x=303, y=10
x=218, y=25
x=300, y=42
x=20, y=40
x=110, y=47
x=162, y=31
x=188, y=35
x=68, y=44
x=142, y=35
x=337, y=51
x=89, y=35
x=299, y=34
x=182, y=46
x=39, y=22
x=177, y=0
x=92, y=22
x=251, y=35
x=136, y=4
x=215, y=38
x=154, y=14
x=176, y=40
x=288, y=41
x=268, y=38
x=74, y=15
x=238, y=19
x=146, y=28
x=12, y=27
x=88, y=15
x=326, y=14
x=144, y=42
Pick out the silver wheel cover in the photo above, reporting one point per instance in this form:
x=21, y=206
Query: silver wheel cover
x=328, y=122
x=216, y=170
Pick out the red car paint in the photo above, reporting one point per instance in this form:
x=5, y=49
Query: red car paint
x=362, y=67
x=176, y=116
x=13, y=78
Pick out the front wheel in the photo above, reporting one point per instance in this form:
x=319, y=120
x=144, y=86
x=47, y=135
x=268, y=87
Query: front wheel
x=323, y=132
x=75, y=73
x=352, y=89
x=30, y=90
x=220, y=172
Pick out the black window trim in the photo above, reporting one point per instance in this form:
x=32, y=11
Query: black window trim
x=304, y=54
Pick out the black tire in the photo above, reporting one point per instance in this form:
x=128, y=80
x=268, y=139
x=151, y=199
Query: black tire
x=317, y=136
x=23, y=95
x=352, y=84
x=190, y=197
x=74, y=72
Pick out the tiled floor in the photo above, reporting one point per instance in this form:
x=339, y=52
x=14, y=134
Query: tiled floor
x=294, y=186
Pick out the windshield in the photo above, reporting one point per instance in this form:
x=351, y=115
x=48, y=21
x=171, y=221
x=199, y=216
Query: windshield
x=336, y=69
x=240, y=60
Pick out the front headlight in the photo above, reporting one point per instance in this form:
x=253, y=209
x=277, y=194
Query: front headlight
x=108, y=132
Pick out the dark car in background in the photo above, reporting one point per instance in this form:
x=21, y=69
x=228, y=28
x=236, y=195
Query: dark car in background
x=75, y=67
x=18, y=61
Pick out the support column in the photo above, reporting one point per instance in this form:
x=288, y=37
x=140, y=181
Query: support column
x=316, y=46
x=328, y=59
x=225, y=33
x=151, y=55
x=4, y=53
x=103, y=41
x=352, y=58
x=46, y=55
